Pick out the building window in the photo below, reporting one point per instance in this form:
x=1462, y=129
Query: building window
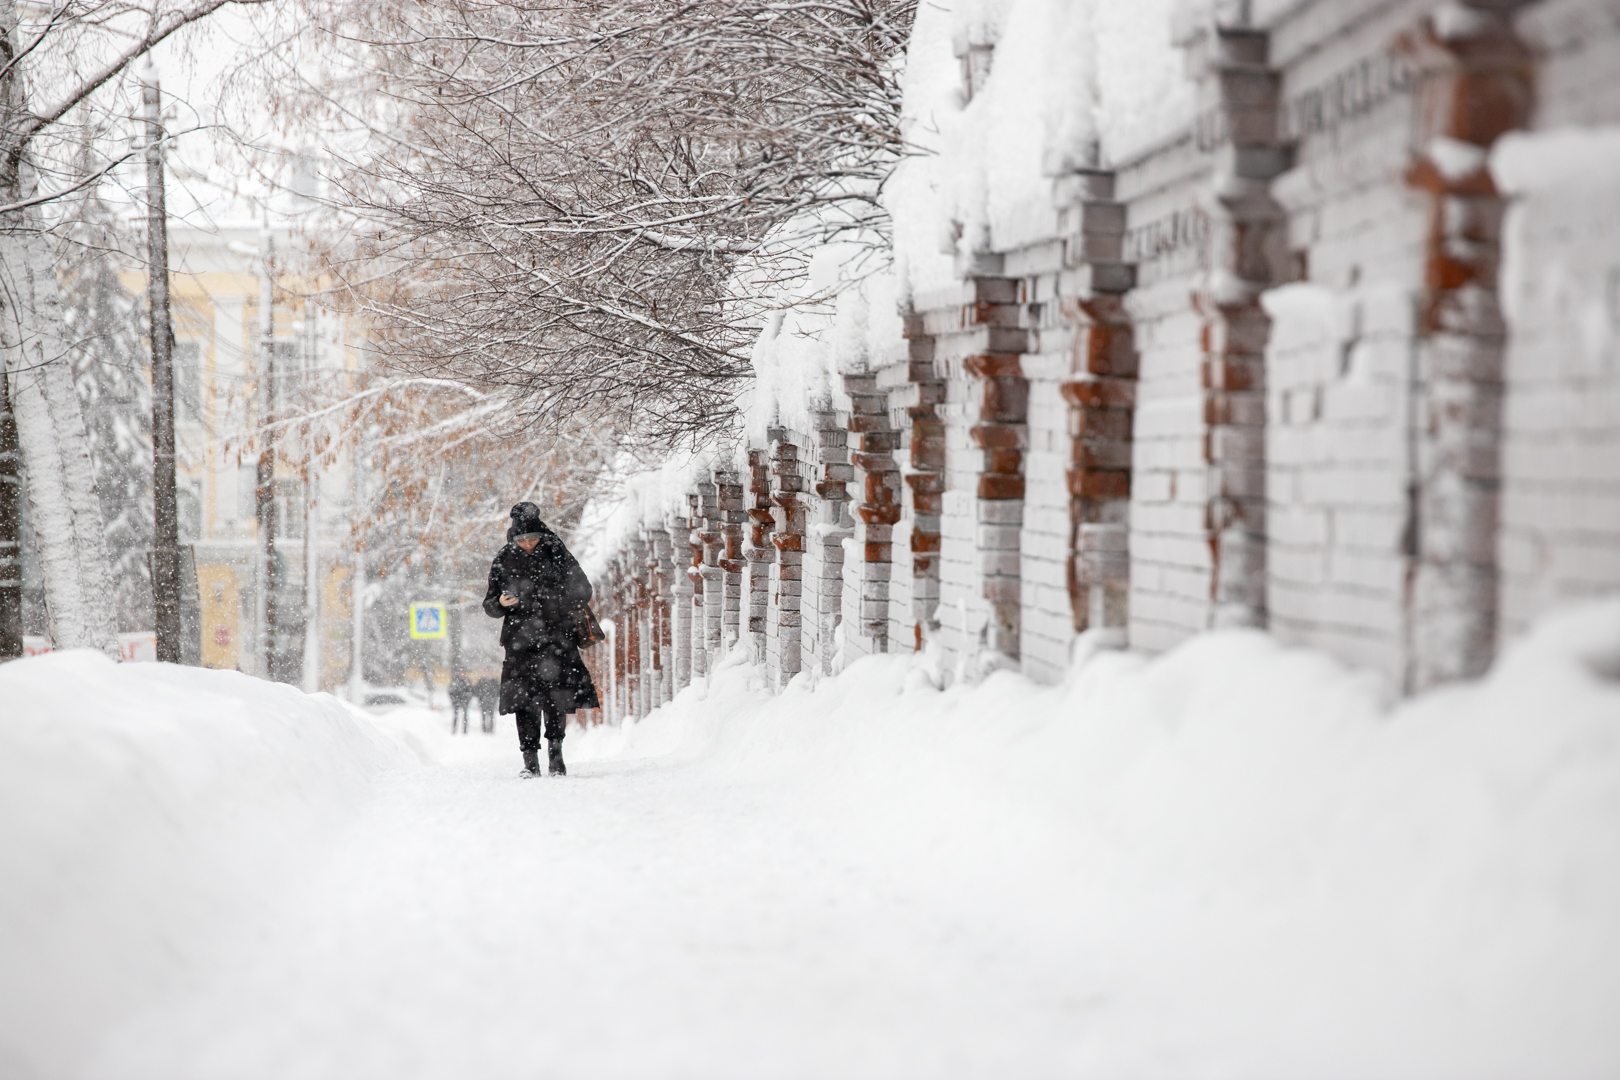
x=188, y=395
x=188, y=511
x=288, y=372
x=290, y=509
x=247, y=483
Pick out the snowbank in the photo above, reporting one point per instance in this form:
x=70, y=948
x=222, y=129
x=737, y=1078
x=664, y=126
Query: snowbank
x=1235, y=860
x=141, y=805
x=1271, y=872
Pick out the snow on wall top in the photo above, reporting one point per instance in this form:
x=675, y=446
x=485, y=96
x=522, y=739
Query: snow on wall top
x=1003, y=95
x=1000, y=96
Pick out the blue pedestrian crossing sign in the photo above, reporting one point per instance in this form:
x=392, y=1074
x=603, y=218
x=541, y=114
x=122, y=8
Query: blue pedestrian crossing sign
x=428, y=621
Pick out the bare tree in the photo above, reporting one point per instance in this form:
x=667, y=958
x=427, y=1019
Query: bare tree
x=439, y=466
x=54, y=59
x=583, y=204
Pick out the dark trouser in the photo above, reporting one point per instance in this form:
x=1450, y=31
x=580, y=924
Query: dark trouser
x=537, y=720
x=458, y=712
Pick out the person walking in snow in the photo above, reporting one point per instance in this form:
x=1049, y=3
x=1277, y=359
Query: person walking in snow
x=461, y=693
x=487, y=691
x=538, y=589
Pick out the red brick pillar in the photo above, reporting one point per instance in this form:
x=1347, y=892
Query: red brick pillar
x=760, y=552
x=630, y=591
x=713, y=574
x=729, y=492
x=878, y=507
x=695, y=575
x=1101, y=393
x=824, y=566
x=1002, y=436
x=680, y=603
x=926, y=478
x=663, y=571
x=1248, y=242
x=641, y=572
x=788, y=577
x=1476, y=82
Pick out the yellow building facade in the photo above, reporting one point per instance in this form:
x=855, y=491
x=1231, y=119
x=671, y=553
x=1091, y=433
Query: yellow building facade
x=216, y=288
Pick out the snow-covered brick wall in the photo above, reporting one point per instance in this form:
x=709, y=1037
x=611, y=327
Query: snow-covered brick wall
x=1561, y=286
x=1303, y=292
x=1170, y=559
x=1341, y=357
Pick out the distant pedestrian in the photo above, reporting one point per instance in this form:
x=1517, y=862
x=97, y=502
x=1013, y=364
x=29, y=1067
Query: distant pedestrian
x=461, y=693
x=538, y=589
x=488, y=693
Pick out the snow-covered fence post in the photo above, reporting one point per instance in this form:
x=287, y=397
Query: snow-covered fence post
x=927, y=476
x=714, y=576
x=680, y=608
x=878, y=508
x=1477, y=83
x=663, y=575
x=788, y=539
x=630, y=647
x=1101, y=394
x=729, y=492
x=1248, y=239
x=1002, y=435
x=824, y=565
x=760, y=552
x=642, y=574
x=624, y=617
x=694, y=574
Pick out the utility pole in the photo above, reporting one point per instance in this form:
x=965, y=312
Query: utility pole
x=11, y=636
x=165, y=521
x=357, y=581
x=312, y=495
x=264, y=481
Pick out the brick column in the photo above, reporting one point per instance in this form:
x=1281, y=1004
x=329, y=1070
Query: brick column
x=680, y=602
x=694, y=574
x=826, y=543
x=926, y=478
x=788, y=538
x=1002, y=435
x=610, y=605
x=729, y=488
x=760, y=552
x=1248, y=244
x=878, y=507
x=713, y=574
x=663, y=570
x=630, y=677
x=1101, y=393
x=1476, y=84
x=641, y=574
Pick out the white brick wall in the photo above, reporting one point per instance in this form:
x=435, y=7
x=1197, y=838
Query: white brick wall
x=1342, y=364
x=1560, y=535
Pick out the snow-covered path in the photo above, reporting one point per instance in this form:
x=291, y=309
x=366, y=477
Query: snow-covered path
x=1236, y=860
x=638, y=918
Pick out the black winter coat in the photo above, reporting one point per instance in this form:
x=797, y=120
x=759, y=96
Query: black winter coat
x=542, y=664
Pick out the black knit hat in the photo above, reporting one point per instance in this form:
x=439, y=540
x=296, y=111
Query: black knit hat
x=526, y=522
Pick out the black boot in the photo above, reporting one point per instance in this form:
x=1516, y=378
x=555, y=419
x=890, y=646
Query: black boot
x=531, y=761
x=557, y=766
